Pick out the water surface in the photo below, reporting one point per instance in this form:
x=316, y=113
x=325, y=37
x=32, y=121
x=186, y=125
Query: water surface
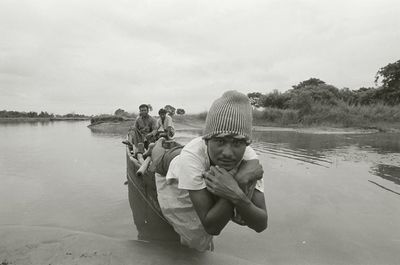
x=331, y=198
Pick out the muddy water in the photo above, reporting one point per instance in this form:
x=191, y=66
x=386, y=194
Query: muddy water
x=331, y=198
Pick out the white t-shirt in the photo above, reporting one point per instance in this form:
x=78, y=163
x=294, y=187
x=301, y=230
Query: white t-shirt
x=167, y=123
x=174, y=200
x=188, y=167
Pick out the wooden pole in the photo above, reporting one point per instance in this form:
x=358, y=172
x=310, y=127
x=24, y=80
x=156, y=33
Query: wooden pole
x=143, y=168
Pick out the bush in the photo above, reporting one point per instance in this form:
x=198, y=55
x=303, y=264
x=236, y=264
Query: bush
x=290, y=116
x=275, y=115
x=106, y=118
x=351, y=115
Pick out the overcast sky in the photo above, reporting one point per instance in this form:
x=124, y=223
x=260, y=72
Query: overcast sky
x=92, y=57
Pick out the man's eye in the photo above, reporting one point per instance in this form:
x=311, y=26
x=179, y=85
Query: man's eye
x=219, y=141
x=238, y=143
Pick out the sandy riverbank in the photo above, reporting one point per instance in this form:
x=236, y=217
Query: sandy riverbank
x=123, y=127
x=33, y=245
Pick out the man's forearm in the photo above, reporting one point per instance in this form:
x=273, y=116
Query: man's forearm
x=218, y=216
x=255, y=217
x=249, y=170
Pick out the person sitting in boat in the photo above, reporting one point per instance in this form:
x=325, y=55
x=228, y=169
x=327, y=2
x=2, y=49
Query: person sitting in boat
x=144, y=128
x=215, y=178
x=165, y=126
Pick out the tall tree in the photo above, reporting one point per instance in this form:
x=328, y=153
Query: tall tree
x=255, y=98
x=275, y=99
x=180, y=111
x=170, y=110
x=309, y=82
x=390, y=79
x=120, y=112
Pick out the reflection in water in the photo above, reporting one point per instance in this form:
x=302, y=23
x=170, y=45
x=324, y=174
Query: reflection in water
x=389, y=172
x=24, y=123
x=382, y=143
x=323, y=210
x=384, y=187
x=299, y=154
x=99, y=133
x=316, y=149
x=307, y=148
x=322, y=149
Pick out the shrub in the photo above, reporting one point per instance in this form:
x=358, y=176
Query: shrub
x=106, y=118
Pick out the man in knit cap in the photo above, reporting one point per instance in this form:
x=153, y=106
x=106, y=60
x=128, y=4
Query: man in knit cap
x=206, y=185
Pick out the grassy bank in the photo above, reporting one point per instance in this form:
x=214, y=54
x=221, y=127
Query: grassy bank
x=379, y=116
x=108, y=119
x=112, y=124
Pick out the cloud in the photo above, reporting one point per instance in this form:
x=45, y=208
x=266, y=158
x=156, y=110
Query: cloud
x=97, y=56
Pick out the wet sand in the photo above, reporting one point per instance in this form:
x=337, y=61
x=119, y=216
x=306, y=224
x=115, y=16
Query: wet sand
x=34, y=245
x=122, y=128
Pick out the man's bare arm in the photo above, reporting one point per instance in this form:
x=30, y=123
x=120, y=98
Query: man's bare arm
x=214, y=213
x=249, y=170
x=253, y=211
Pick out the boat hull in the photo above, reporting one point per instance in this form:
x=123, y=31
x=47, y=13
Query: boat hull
x=150, y=223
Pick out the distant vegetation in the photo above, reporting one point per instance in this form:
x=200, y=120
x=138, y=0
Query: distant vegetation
x=310, y=102
x=31, y=114
x=106, y=118
x=120, y=115
x=314, y=102
x=42, y=114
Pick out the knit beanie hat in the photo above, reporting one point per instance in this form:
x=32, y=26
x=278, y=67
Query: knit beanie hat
x=230, y=114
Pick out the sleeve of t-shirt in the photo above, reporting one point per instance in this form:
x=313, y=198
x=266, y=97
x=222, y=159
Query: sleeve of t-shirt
x=168, y=122
x=250, y=154
x=190, y=168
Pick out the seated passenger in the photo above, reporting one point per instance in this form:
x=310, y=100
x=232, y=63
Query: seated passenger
x=164, y=125
x=144, y=128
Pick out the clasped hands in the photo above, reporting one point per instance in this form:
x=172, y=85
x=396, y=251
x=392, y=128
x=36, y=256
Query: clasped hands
x=231, y=184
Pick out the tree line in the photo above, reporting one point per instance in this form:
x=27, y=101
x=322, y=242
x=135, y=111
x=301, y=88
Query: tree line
x=33, y=114
x=313, y=91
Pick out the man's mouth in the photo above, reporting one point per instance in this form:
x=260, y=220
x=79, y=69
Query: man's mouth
x=227, y=162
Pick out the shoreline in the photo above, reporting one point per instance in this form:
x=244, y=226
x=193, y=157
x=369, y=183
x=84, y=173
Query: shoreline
x=22, y=119
x=122, y=128
x=32, y=245
x=191, y=123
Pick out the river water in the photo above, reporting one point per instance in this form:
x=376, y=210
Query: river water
x=331, y=198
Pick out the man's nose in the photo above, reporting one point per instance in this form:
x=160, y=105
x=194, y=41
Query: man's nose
x=227, y=150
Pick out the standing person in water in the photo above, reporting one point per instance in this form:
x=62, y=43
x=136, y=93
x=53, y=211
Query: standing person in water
x=215, y=178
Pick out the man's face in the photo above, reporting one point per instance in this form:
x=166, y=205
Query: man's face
x=226, y=151
x=162, y=115
x=143, y=111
